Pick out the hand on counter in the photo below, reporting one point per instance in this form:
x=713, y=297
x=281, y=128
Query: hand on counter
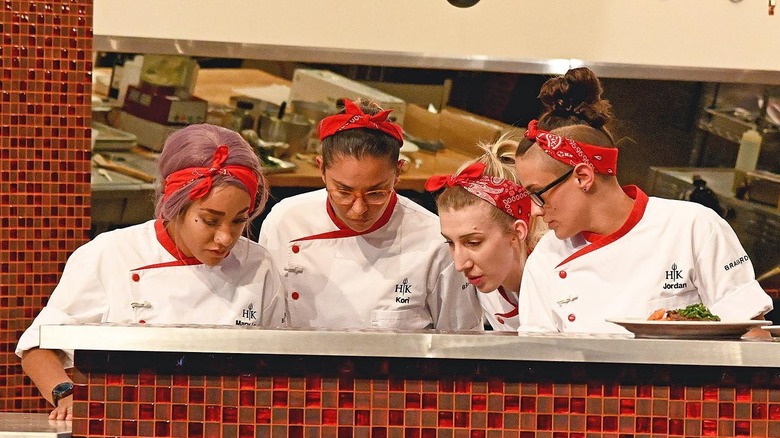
x=64, y=410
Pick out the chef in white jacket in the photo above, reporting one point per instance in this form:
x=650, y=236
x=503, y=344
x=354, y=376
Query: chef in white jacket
x=356, y=254
x=485, y=215
x=191, y=265
x=617, y=253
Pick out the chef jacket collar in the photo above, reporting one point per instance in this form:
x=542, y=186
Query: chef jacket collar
x=345, y=231
x=167, y=242
x=515, y=310
x=598, y=241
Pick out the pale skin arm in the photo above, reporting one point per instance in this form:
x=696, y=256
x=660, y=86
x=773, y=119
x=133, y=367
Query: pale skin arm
x=45, y=370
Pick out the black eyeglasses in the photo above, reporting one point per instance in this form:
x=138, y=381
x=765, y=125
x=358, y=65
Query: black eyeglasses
x=536, y=196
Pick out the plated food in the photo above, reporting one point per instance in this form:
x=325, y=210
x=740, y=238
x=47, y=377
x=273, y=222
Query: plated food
x=692, y=322
x=694, y=312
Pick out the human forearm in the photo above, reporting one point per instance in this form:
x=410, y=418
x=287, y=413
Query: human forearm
x=44, y=369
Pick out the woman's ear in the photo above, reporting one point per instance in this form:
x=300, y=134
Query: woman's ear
x=399, y=169
x=521, y=229
x=321, y=166
x=584, y=176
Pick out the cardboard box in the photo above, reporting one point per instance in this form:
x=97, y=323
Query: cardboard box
x=148, y=133
x=325, y=86
x=459, y=130
x=164, y=105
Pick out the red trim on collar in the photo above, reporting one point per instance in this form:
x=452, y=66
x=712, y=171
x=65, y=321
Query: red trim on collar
x=505, y=296
x=599, y=241
x=167, y=242
x=345, y=231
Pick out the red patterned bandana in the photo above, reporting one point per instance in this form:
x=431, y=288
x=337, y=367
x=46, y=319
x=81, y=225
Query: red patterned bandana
x=511, y=198
x=602, y=160
x=355, y=118
x=205, y=178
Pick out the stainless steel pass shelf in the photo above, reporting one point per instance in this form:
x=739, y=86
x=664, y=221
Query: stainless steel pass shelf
x=723, y=123
x=412, y=344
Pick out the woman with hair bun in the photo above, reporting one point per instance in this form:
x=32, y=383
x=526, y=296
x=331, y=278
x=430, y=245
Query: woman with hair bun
x=190, y=265
x=615, y=252
x=356, y=254
x=485, y=220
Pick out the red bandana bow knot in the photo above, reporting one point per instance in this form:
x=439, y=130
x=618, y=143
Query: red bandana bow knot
x=603, y=160
x=503, y=194
x=205, y=177
x=355, y=118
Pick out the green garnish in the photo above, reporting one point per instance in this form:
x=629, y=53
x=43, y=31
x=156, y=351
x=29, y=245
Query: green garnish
x=697, y=311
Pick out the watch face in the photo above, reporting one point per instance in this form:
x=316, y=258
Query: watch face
x=61, y=391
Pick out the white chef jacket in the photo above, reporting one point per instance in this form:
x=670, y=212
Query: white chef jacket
x=398, y=274
x=130, y=276
x=669, y=254
x=500, y=309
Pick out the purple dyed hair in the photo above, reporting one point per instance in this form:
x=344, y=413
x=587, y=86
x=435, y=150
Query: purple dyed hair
x=194, y=146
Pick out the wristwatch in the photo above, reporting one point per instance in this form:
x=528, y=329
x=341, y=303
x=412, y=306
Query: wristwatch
x=61, y=391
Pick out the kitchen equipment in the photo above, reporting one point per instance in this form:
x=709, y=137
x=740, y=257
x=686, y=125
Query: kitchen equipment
x=111, y=139
x=165, y=105
x=268, y=152
x=264, y=148
x=259, y=106
x=149, y=134
x=326, y=86
x=293, y=129
x=763, y=187
x=107, y=163
x=314, y=111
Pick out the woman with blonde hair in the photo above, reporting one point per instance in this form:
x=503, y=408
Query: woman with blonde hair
x=484, y=215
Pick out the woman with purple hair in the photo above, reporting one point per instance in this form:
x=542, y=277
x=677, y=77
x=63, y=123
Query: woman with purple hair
x=190, y=265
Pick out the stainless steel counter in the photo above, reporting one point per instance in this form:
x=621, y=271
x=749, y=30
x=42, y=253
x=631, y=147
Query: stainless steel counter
x=412, y=344
x=24, y=425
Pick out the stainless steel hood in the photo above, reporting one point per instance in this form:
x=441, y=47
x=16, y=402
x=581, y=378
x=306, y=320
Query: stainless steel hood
x=127, y=44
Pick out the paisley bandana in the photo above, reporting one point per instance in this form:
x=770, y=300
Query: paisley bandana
x=602, y=160
x=205, y=177
x=503, y=194
x=355, y=118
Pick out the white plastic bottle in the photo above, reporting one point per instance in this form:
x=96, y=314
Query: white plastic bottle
x=749, y=148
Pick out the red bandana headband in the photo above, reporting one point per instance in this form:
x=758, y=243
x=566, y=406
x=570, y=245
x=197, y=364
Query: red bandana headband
x=602, y=160
x=355, y=118
x=205, y=177
x=511, y=198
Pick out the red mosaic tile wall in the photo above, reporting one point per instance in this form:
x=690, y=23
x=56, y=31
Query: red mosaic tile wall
x=198, y=395
x=45, y=114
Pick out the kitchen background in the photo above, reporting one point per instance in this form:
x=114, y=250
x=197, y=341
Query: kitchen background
x=45, y=209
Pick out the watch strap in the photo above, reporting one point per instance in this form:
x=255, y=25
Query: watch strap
x=61, y=391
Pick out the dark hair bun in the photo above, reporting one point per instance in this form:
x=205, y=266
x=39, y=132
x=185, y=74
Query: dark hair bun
x=577, y=94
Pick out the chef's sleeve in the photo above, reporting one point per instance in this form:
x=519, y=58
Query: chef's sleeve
x=724, y=273
x=79, y=297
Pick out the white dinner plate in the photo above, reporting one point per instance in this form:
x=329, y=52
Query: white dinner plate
x=642, y=328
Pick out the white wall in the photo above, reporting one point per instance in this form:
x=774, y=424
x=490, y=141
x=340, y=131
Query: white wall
x=669, y=33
